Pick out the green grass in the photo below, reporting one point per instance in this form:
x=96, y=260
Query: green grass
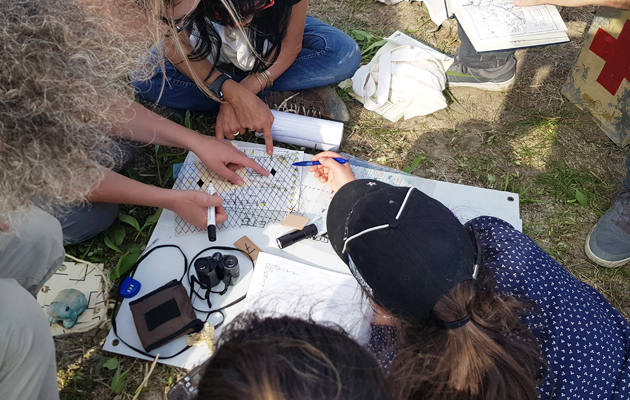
x=574, y=186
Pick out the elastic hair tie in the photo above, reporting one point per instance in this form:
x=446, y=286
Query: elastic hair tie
x=458, y=323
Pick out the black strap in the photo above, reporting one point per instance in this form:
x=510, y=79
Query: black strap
x=191, y=280
x=132, y=271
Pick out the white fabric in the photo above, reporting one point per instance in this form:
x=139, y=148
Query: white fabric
x=235, y=49
x=412, y=77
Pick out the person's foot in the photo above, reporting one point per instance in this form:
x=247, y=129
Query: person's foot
x=318, y=102
x=608, y=243
x=497, y=79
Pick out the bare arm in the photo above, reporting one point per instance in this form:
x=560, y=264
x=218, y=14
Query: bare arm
x=238, y=114
x=623, y=4
x=191, y=205
x=291, y=47
x=219, y=155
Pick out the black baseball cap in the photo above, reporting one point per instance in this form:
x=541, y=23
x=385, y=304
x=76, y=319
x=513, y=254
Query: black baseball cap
x=405, y=248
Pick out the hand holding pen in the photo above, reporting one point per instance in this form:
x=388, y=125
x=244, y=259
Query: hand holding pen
x=331, y=171
x=311, y=163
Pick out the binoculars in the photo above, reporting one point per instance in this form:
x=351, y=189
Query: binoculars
x=217, y=268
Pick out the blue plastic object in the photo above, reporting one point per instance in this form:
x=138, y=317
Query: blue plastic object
x=129, y=287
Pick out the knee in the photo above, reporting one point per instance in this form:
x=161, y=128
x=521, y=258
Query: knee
x=32, y=251
x=86, y=221
x=39, y=229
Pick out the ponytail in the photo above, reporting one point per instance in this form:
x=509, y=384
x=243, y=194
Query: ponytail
x=486, y=354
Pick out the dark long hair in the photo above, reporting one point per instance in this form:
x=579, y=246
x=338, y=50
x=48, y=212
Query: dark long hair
x=269, y=25
x=288, y=359
x=492, y=357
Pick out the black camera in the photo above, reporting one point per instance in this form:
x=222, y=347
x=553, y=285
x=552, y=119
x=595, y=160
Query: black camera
x=217, y=268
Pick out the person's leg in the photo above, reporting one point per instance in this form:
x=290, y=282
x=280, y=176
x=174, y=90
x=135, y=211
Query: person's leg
x=328, y=56
x=85, y=221
x=608, y=243
x=171, y=88
x=27, y=350
x=494, y=70
x=31, y=252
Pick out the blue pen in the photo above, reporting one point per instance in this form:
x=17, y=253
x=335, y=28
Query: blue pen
x=309, y=163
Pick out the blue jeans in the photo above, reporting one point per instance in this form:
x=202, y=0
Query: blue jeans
x=328, y=56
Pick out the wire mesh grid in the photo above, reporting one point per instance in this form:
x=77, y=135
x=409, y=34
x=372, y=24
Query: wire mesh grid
x=259, y=202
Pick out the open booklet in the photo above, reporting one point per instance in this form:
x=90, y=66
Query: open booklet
x=500, y=25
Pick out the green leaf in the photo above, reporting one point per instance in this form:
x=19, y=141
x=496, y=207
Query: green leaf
x=374, y=45
x=109, y=363
x=124, y=264
x=111, y=245
x=361, y=35
x=187, y=120
x=117, y=233
x=381, y=160
x=153, y=219
x=128, y=219
x=581, y=198
x=118, y=381
x=410, y=168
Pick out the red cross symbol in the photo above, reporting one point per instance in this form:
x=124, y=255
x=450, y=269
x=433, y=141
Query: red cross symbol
x=616, y=53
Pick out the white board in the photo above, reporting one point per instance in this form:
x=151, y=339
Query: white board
x=166, y=264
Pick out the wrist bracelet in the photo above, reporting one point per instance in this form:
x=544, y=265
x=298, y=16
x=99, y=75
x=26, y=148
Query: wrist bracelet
x=268, y=78
x=263, y=86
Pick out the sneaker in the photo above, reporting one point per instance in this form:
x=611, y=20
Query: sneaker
x=320, y=102
x=187, y=387
x=494, y=80
x=608, y=243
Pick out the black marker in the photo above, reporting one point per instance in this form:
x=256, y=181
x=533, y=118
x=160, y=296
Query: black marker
x=212, y=222
x=290, y=238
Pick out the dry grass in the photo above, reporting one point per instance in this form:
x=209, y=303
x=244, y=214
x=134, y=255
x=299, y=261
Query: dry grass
x=529, y=140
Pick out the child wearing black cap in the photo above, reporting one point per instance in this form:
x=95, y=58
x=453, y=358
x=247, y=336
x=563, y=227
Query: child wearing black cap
x=479, y=310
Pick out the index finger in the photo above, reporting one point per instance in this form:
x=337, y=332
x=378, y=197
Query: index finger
x=248, y=162
x=218, y=133
x=268, y=139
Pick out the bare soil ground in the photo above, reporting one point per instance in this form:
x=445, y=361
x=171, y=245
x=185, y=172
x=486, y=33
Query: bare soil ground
x=529, y=140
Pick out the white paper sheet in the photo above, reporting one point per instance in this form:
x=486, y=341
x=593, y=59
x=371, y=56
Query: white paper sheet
x=283, y=287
